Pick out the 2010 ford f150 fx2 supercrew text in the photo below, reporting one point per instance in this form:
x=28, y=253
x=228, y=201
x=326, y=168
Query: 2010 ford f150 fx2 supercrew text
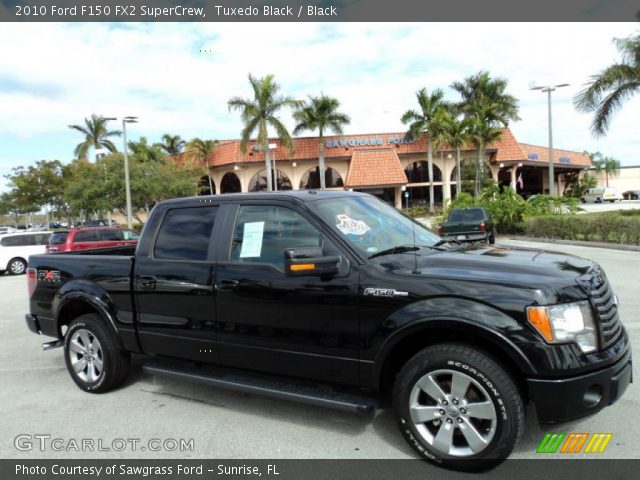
x=334, y=298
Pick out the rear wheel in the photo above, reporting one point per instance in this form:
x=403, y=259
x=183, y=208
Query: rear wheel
x=458, y=408
x=17, y=266
x=94, y=359
x=492, y=238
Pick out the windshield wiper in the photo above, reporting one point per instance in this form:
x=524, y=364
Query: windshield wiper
x=398, y=249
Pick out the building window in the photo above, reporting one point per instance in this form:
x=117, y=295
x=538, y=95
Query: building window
x=418, y=172
x=230, y=183
x=311, y=179
x=258, y=182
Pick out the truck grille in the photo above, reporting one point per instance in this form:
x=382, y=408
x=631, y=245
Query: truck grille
x=607, y=308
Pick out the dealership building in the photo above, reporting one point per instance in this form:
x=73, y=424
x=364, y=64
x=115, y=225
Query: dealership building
x=387, y=165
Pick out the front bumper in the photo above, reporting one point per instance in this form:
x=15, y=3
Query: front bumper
x=561, y=400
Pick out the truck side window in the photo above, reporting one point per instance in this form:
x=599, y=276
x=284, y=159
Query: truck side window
x=185, y=234
x=262, y=234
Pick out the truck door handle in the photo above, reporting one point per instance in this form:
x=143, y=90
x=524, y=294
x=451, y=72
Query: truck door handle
x=147, y=282
x=228, y=285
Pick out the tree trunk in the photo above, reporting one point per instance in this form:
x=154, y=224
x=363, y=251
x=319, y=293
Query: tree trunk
x=458, y=173
x=606, y=177
x=206, y=162
x=267, y=166
x=430, y=170
x=321, y=167
x=479, y=171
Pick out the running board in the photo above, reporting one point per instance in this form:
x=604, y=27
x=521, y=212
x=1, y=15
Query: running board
x=274, y=387
x=51, y=345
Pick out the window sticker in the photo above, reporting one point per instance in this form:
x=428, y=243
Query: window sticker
x=349, y=226
x=252, y=239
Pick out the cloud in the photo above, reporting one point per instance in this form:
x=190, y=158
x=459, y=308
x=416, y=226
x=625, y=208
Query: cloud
x=177, y=77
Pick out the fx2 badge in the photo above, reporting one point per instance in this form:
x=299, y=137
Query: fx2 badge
x=49, y=276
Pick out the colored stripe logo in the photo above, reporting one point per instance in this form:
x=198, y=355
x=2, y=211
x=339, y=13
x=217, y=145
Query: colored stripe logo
x=574, y=443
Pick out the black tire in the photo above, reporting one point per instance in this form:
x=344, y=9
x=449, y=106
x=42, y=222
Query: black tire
x=488, y=383
x=492, y=238
x=17, y=266
x=114, y=361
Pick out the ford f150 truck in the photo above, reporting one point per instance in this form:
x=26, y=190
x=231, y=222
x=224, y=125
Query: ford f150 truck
x=336, y=298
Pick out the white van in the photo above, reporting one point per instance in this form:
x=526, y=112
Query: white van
x=599, y=195
x=15, y=249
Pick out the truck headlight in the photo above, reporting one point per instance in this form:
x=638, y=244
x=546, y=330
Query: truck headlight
x=567, y=322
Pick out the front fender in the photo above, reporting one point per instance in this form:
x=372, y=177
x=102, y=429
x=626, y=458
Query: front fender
x=452, y=314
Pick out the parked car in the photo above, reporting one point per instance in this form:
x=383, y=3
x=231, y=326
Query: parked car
x=85, y=238
x=599, y=195
x=631, y=195
x=15, y=249
x=4, y=230
x=468, y=225
x=336, y=299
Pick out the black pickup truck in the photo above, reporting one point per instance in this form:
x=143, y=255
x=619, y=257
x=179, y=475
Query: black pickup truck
x=336, y=298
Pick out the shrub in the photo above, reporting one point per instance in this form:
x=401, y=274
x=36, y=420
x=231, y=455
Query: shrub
x=606, y=227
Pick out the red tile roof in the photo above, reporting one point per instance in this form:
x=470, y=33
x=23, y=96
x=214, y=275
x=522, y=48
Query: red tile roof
x=508, y=149
x=534, y=153
x=375, y=167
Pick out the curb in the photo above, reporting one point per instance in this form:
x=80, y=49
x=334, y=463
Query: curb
x=557, y=241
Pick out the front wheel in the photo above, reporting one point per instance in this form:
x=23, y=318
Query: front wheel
x=17, y=266
x=458, y=408
x=94, y=359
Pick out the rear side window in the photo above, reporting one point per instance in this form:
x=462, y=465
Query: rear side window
x=185, y=234
x=110, y=235
x=86, y=236
x=25, y=240
x=17, y=241
x=471, y=215
x=58, y=238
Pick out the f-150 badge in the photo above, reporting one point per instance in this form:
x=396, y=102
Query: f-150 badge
x=384, y=292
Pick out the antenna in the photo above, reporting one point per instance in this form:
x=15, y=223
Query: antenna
x=415, y=265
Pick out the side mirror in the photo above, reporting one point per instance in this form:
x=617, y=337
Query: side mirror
x=302, y=261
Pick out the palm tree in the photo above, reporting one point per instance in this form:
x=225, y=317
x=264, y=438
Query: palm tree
x=96, y=136
x=144, y=152
x=201, y=150
x=425, y=120
x=486, y=104
x=610, y=88
x=320, y=113
x=172, y=145
x=608, y=165
x=259, y=113
x=456, y=132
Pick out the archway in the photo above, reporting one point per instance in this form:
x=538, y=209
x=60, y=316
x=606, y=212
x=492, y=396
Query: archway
x=311, y=179
x=418, y=172
x=203, y=186
x=230, y=183
x=258, y=182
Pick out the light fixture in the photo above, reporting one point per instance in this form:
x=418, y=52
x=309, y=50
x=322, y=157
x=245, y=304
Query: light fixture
x=294, y=164
x=236, y=168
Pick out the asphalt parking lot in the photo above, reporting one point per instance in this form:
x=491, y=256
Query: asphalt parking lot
x=38, y=397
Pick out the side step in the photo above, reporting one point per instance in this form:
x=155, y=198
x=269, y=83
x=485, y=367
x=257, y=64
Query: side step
x=274, y=387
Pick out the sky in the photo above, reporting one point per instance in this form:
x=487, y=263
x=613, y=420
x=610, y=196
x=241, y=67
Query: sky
x=178, y=77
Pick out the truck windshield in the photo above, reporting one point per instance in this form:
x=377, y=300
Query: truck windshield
x=372, y=225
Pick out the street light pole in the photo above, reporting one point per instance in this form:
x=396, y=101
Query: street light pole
x=127, y=181
x=548, y=89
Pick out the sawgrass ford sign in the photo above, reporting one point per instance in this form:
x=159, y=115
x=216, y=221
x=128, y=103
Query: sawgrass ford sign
x=367, y=141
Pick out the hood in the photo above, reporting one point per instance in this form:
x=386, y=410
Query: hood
x=511, y=265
